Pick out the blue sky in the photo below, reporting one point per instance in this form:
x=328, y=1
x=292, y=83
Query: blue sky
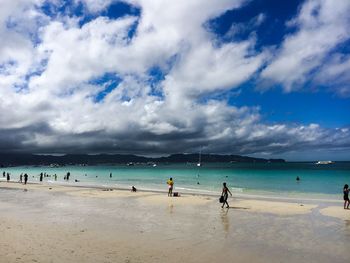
x=262, y=78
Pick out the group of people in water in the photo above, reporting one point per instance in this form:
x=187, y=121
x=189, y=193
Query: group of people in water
x=22, y=178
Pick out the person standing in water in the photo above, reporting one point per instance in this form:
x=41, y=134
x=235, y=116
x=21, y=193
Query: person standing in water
x=25, y=178
x=41, y=177
x=346, y=196
x=21, y=178
x=8, y=177
x=224, y=194
x=110, y=175
x=170, y=184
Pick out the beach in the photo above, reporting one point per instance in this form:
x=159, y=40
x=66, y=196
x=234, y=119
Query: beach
x=55, y=223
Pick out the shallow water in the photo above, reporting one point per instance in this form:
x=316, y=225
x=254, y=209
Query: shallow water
x=322, y=181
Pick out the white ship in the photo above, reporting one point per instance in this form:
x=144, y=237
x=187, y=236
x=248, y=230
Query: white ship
x=324, y=162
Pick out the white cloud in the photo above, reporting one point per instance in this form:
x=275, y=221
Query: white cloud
x=95, y=6
x=321, y=26
x=56, y=108
x=336, y=74
x=248, y=27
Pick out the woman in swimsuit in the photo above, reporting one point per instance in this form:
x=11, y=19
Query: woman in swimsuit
x=224, y=193
x=346, y=196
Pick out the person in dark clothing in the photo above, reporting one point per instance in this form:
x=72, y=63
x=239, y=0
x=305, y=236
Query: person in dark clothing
x=21, y=178
x=68, y=174
x=3, y=174
x=110, y=175
x=346, y=196
x=41, y=177
x=25, y=178
x=8, y=177
x=225, y=192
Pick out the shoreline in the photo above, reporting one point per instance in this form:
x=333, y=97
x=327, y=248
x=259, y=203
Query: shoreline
x=246, y=182
x=309, y=197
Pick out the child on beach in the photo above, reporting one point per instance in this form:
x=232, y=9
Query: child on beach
x=170, y=184
x=224, y=194
x=346, y=196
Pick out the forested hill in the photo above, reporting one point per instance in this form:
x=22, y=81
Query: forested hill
x=34, y=159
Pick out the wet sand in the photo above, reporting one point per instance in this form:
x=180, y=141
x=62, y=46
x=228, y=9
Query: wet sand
x=74, y=224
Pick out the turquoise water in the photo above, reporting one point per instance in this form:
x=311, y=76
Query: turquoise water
x=244, y=178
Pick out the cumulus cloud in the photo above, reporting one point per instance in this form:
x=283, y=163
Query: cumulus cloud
x=320, y=25
x=55, y=96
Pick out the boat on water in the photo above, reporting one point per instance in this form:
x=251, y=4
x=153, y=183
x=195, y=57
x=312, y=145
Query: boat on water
x=324, y=162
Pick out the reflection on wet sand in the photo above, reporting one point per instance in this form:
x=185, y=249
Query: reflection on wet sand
x=171, y=208
x=225, y=221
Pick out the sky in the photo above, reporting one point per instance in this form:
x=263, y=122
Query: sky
x=263, y=78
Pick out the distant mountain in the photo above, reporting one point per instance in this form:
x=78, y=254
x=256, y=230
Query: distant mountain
x=12, y=159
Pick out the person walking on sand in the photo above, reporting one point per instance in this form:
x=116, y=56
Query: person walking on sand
x=224, y=194
x=8, y=177
x=41, y=177
x=170, y=184
x=346, y=196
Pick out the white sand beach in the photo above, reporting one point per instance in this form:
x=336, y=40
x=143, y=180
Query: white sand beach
x=52, y=223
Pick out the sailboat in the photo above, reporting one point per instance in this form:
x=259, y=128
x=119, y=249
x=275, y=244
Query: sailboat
x=199, y=164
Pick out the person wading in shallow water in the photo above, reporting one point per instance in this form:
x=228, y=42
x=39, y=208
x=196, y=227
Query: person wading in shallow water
x=224, y=194
x=25, y=178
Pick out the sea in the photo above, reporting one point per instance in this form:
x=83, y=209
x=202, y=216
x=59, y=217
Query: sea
x=252, y=179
